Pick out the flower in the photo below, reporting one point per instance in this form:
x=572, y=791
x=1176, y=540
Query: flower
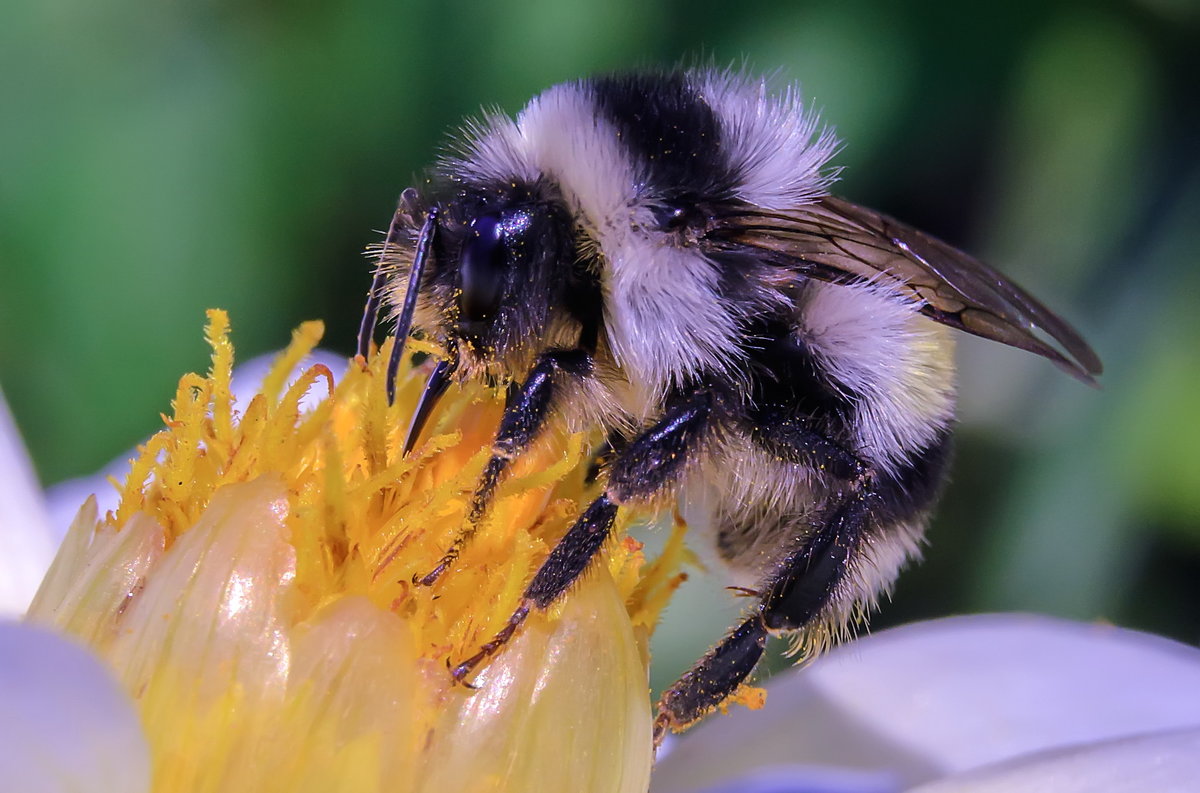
x=253, y=594
x=207, y=655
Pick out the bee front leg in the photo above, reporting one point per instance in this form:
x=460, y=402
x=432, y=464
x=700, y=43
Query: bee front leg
x=649, y=465
x=794, y=597
x=525, y=415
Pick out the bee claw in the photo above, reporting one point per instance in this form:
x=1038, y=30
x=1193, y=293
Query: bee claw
x=662, y=726
x=430, y=578
x=460, y=672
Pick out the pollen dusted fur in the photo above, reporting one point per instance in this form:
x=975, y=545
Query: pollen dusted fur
x=658, y=255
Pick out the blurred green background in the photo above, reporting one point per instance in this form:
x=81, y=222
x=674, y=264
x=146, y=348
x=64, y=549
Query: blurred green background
x=157, y=159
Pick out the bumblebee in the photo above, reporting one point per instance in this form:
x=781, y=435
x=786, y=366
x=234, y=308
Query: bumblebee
x=658, y=255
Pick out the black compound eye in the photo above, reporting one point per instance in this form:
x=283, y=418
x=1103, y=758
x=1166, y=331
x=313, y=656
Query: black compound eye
x=482, y=269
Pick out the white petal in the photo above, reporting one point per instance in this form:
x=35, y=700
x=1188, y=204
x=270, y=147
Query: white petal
x=937, y=698
x=806, y=779
x=1162, y=762
x=26, y=544
x=65, y=725
x=63, y=499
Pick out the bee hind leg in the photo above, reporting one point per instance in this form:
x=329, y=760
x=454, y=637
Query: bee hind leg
x=649, y=465
x=525, y=414
x=794, y=597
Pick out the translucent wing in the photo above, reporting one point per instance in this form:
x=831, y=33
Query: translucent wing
x=835, y=240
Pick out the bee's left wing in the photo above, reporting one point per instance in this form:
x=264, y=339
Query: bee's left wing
x=835, y=240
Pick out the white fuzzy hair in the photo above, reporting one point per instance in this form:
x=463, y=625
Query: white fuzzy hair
x=664, y=316
x=775, y=143
x=897, y=363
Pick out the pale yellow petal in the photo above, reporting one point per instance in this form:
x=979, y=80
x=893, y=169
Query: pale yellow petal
x=97, y=575
x=564, y=707
x=354, y=678
x=216, y=604
x=204, y=646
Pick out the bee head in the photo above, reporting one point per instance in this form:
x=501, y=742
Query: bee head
x=499, y=268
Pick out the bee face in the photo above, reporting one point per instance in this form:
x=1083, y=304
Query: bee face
x=658, y=256
x=492, y=287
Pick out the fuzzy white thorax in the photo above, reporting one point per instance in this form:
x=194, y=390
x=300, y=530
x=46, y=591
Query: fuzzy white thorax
x=664, y=317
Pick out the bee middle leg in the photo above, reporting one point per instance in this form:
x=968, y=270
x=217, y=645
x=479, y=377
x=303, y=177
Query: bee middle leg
x=525, y=414
x=648, y=465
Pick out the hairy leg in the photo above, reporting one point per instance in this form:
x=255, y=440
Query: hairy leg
x=525, y=416
x=794, y=597
x=649, y=465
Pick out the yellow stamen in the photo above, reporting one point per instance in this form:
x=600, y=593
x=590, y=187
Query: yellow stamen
x=253, y=591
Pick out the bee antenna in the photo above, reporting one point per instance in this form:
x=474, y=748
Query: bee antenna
x=404, y=321
x=371, y=313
